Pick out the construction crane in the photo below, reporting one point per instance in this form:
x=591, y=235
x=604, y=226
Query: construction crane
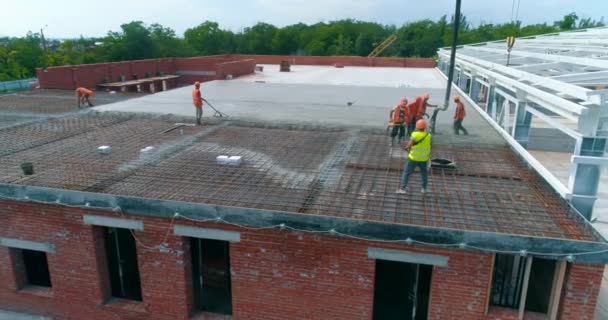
x=381, y=47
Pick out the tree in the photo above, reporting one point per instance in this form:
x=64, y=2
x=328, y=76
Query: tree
x=9, y=67
x=166, y=42
x=316, y=48
x=28, y=53
x=258, y=39
x=342, y=46
x=205, y=39
x=133, y=43
x=568, y=22
x=287, y=40
x=584, y=23
x=20, y=56
x=364, y=44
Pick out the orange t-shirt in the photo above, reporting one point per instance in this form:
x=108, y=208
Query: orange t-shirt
x=460, y=113
x=197, y=99
x=413, y=110
x=400, y=114
x=422, y=108
x=83, y=92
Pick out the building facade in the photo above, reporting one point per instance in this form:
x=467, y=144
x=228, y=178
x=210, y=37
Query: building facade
x=105, y=265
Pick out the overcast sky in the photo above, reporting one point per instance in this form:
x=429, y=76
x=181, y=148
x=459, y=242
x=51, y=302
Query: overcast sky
x=71, y=18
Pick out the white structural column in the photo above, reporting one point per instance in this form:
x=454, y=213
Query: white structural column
x=491, y=103
x=523, y=120
x=588, y=158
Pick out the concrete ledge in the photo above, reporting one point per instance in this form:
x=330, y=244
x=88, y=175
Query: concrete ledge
x=113, y=222
x=195, y=73
x=595, y=251
x=409, y=257
x=28, y=245
x=10, y=315
x=204, y=233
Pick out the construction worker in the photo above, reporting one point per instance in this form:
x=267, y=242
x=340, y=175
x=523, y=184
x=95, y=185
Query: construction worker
x=425, y=104
x=398, y=116
x=419, y=148
x=197, y=100
x=459, y=116
x=83, y=95
x=412, y=110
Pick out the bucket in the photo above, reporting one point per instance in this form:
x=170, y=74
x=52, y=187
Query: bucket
x=443, y=164
x=27, y=168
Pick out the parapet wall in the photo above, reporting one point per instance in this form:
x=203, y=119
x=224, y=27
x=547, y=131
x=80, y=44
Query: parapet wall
x=90, y=75
x=201, y=69
x=343, y=60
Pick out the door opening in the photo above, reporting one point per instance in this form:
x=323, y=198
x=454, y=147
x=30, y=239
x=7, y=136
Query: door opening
x=401, y=290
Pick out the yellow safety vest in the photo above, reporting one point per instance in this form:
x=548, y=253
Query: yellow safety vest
x=420, y=152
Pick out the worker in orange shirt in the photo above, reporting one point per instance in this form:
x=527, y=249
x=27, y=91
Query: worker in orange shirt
x=83, y=95
x=425, y=104
x=197, y=100
x=399, y=117
x=412, y=110
x=459, y=116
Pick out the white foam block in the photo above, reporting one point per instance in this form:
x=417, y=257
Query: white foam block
x=221, y=159
x=104, y=149
x=235, y=160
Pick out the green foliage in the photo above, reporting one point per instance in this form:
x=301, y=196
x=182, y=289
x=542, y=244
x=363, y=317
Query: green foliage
x=135, y=40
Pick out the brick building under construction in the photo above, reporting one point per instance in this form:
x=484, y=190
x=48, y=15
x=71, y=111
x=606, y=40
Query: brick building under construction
x=304, y=224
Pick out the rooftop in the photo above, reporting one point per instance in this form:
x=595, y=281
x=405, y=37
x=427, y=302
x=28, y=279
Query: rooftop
x=293, y=162
x=339, y=173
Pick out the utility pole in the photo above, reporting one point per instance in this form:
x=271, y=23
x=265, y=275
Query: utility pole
x=42, y=38
x=448, y=89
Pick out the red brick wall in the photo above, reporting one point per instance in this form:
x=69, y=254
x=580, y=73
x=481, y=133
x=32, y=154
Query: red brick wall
x=581, y=288
x=344, y=60
x=235, y=68
x=275, y=274
x=56, y=77
x=90, y=75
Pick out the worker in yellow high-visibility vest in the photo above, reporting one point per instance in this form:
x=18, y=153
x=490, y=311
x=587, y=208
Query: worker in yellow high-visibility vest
x=419, y=147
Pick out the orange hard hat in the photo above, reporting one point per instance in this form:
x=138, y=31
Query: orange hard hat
x=456, y=98
x=197, y=84
x=420, y=124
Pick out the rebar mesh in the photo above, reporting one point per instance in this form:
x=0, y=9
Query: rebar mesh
x=339, y=174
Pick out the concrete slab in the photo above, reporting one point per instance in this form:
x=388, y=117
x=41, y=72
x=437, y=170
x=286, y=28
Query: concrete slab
x=320, y=104
x=350, y=76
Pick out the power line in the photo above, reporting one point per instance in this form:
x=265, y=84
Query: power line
x=517, y=11
x=334, y=232
x=512, y=9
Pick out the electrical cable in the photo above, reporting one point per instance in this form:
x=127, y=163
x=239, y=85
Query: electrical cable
x=568, y=256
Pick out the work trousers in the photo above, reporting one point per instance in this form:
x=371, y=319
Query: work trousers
x=398, y=129
x=410, y=166
x=199, y=114
x=458, y=126
x=411, y=127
